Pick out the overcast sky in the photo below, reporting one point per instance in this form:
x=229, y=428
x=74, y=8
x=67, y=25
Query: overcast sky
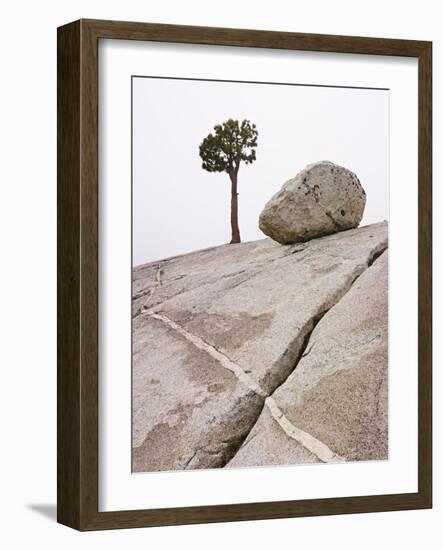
x=178, y=207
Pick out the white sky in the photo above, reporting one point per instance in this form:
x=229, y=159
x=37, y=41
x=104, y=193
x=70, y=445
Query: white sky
x=178, y=207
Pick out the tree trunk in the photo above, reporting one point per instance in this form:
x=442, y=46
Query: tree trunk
x=235, y=231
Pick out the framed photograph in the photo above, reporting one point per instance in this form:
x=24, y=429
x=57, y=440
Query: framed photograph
x=244, y=274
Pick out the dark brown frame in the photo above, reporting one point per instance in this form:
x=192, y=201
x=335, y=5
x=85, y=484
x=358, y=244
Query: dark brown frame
x=77, y=455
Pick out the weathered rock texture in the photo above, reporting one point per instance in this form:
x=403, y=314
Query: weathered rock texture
x=323, y=198
x=338, y=394
x=216, y=332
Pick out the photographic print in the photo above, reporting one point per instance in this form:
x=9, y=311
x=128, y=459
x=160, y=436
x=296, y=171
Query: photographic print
x=260, y=219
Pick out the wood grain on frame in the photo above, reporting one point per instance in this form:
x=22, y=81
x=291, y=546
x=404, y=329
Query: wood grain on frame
x=77, y=315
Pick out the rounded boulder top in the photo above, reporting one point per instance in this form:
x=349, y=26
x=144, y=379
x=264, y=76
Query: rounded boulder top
x=323, y=198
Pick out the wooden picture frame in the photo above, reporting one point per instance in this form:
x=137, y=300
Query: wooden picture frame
x=77, y=456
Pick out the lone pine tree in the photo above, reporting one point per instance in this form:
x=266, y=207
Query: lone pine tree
x=230, y=144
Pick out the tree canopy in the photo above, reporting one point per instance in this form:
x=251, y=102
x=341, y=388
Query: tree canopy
x=231, y=143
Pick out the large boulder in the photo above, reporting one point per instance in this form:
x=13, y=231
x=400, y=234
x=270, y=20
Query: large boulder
x=323, y=198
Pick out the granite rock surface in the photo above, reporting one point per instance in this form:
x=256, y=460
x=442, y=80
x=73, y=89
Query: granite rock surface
x=338, y=394
x=227, y=354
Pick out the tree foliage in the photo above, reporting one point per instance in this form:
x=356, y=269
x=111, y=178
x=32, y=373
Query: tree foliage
x=231, y=143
